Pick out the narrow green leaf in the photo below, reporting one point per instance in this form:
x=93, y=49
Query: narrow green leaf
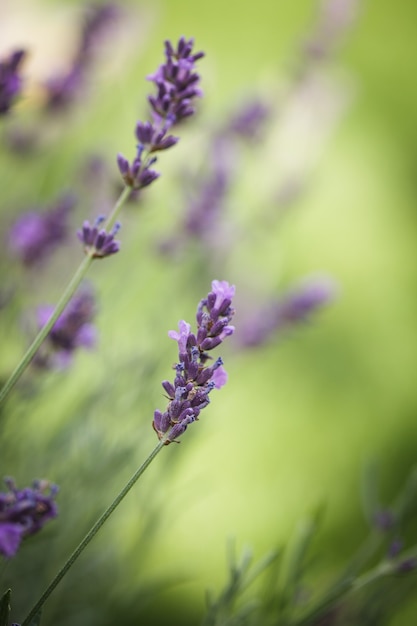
x=5, y=608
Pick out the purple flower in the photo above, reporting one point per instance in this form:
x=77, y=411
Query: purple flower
x=249, y=120
x=292, y=308
x=61, y=90
x=194, y=379
x=24, y=512
x=98, y=243
x=72, y=330
x=10, y=80
x=36, y=234
x=176, y=83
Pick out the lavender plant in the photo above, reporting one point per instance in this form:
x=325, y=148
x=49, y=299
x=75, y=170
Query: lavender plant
x=285, y=593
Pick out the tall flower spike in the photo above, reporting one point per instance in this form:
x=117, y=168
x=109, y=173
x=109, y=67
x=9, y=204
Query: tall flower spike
x=194, y=379
x=176, y=82
x=24, y=512
x=10, y=80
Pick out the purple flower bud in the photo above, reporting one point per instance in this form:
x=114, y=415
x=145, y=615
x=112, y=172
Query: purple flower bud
x=98, y=243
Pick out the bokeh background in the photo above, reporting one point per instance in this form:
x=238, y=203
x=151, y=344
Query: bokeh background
x=302, y=415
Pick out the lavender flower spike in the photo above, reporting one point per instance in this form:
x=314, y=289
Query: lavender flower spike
x=24, y=512
x=194, y=379
x=98, y=243
x=176, y=83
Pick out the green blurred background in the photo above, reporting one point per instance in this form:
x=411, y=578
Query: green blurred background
x=300, y=417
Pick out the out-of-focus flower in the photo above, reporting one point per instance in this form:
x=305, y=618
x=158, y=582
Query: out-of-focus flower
x=24, y=512
x=291, y=309
x=249, y=120
x=194, y=380
x=98, y=243
x=61, y=90
x=335, y=18
x=72, y=330
x=177, y=87
x=36, y=234
x=10, y=80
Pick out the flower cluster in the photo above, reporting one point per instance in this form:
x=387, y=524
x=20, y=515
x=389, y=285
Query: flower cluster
x=10, y=80
x=292, y=308
x=194, y=379
x=24, y=512
x=98, y=243
x=35, y=234
x=73, y=329
x=177, y=86
x=62, y=89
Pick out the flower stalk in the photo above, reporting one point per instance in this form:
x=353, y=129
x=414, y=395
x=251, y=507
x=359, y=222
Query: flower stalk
x=91, y=534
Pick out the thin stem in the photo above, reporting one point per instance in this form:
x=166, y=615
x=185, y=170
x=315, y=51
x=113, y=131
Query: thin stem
x=41, y=336
x=116, y=209
x=91, y=533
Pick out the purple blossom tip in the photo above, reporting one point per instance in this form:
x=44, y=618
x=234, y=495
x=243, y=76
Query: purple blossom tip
x=194, y=380
x=98, y=243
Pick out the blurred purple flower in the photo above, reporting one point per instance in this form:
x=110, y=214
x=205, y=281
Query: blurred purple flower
x=194, y=380
x=292, y=308
x=249, y=120
x=61, y=90
x=10, y=80
x=177, y=87
x=72, y=330
x=24, y=512
x=36, y=234
x=98, y=243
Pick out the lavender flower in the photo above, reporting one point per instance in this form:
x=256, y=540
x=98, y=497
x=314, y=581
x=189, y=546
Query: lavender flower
x=176, y=83
x=24, y=512
x=36, y=234
x=72, y=330
x=10, y=80
x=98, y=243
x=249, y=120
x=292, y=308
x=61, y=90
x=194, y=379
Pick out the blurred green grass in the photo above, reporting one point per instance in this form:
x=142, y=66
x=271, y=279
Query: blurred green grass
x=298, y=418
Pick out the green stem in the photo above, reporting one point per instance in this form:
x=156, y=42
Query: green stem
x=116, y=209
x=41, y=336
x=91, y=533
